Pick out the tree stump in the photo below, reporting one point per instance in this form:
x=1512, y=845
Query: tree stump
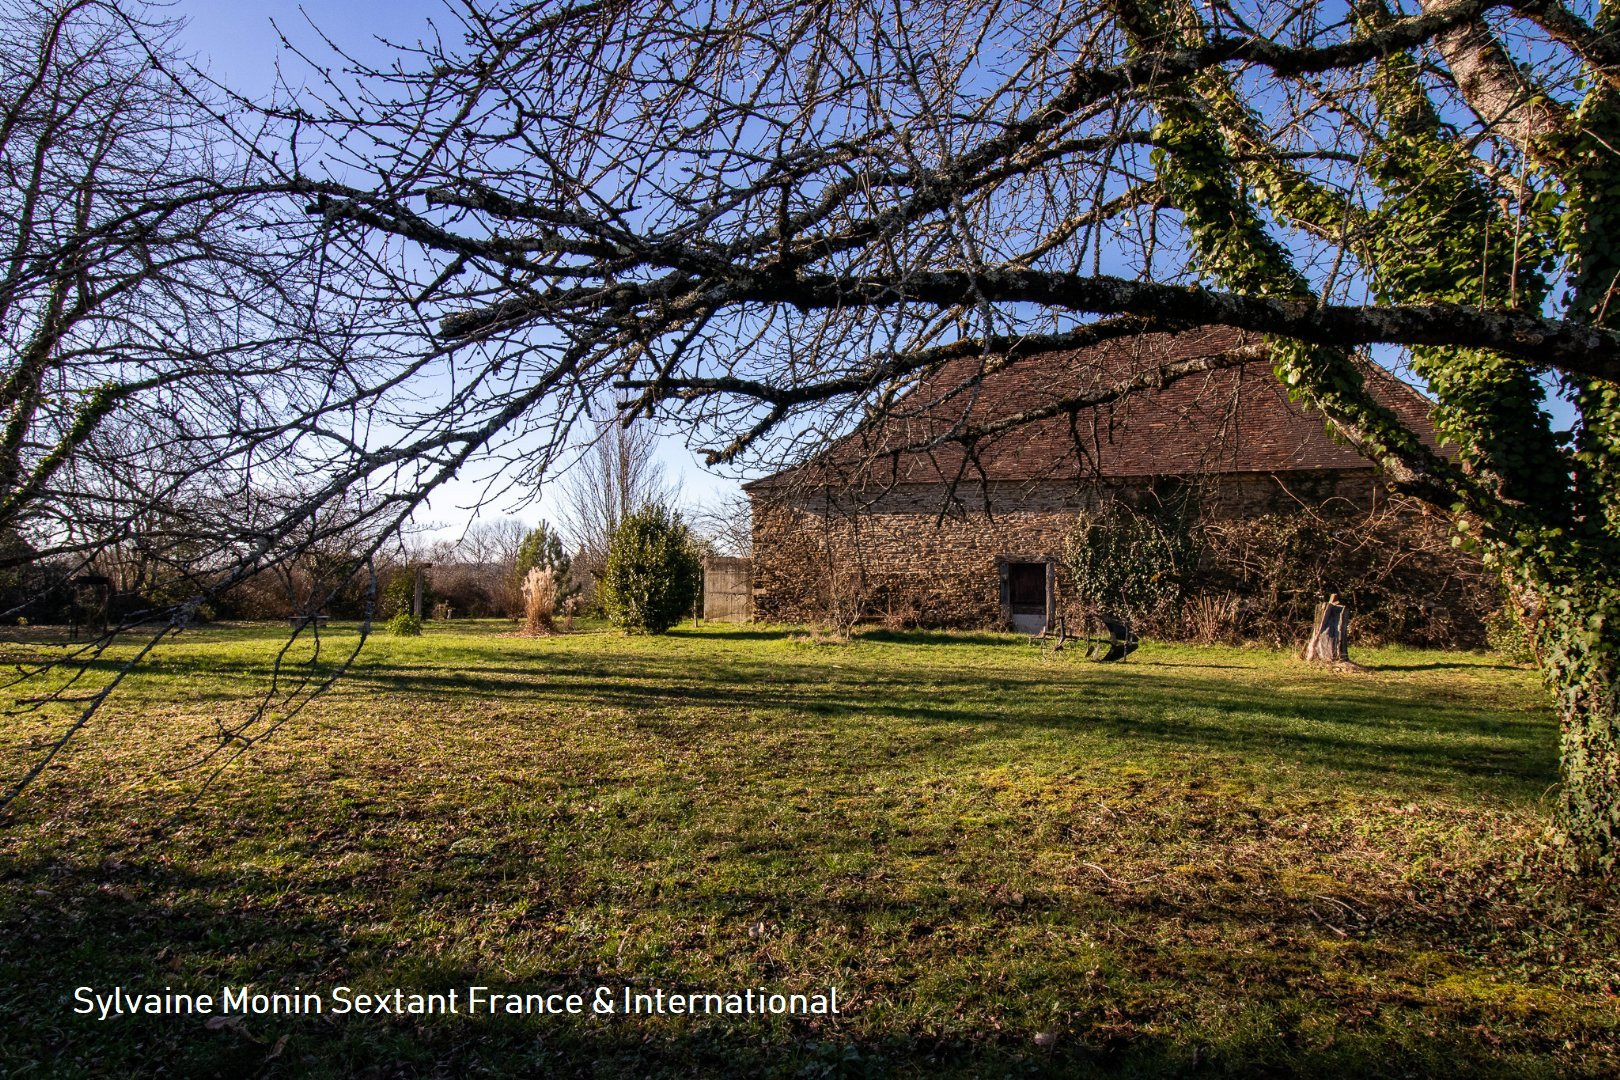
x=1328, y=644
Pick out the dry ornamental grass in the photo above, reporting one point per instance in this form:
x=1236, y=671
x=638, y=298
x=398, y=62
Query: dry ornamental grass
x=539, y=602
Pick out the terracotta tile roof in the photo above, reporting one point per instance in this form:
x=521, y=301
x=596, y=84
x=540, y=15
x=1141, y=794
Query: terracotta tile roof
x=1235, y=420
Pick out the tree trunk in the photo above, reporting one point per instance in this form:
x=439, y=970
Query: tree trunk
x=1589, y=764
x=1327, y=644
x=1574, y=623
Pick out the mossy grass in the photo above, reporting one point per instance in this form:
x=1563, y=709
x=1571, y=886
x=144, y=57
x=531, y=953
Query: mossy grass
x=1203, y=859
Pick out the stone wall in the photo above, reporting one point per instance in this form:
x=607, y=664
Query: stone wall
x=910, y=556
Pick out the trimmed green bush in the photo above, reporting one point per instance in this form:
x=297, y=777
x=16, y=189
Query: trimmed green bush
x=651, y=577
x=405, y=625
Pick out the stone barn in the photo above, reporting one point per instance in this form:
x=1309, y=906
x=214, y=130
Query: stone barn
x=900, y=522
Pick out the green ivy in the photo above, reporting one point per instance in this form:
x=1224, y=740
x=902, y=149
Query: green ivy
x=1545, y=515
x=1129, y=562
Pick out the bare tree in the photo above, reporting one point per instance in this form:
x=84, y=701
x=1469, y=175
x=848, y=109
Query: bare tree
x=493, y=542
x=161, y=362
x=143, y=299
x=615, y=475
x=726, y=525
x=319, y=558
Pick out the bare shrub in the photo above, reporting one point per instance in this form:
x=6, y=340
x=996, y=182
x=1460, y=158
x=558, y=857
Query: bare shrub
x=539, y=602
x=902, y=614
x=1211, y=617
x=845, y=597
x=1395, y=566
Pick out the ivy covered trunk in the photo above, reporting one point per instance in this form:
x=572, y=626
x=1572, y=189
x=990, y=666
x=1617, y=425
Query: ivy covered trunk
x=1544, y=508
x=1590, y=808
x=1583, y=659
x=1580, y=649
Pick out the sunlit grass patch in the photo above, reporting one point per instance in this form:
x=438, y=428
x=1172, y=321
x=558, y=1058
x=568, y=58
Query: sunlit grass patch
x=1210, y=856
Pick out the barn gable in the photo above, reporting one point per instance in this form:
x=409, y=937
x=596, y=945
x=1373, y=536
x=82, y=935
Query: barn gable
x=904, y=512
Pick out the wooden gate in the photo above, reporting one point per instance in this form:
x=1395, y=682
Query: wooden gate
x=727, y=590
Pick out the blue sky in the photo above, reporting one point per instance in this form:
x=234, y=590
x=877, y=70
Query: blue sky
x=238, y=43
x=238, y=39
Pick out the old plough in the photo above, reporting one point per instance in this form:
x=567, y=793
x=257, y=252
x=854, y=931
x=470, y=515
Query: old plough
x=1105, y=638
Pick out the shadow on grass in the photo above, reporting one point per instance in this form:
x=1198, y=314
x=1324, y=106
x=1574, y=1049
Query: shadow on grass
x=740, y=633
x=942, y=637
x=1444, y=666
x=148, y=924
x=1397, y=735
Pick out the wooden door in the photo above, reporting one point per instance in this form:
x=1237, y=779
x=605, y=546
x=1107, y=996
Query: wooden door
x=1026, y=595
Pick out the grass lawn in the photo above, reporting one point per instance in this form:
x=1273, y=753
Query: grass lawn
x=1209, y=861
